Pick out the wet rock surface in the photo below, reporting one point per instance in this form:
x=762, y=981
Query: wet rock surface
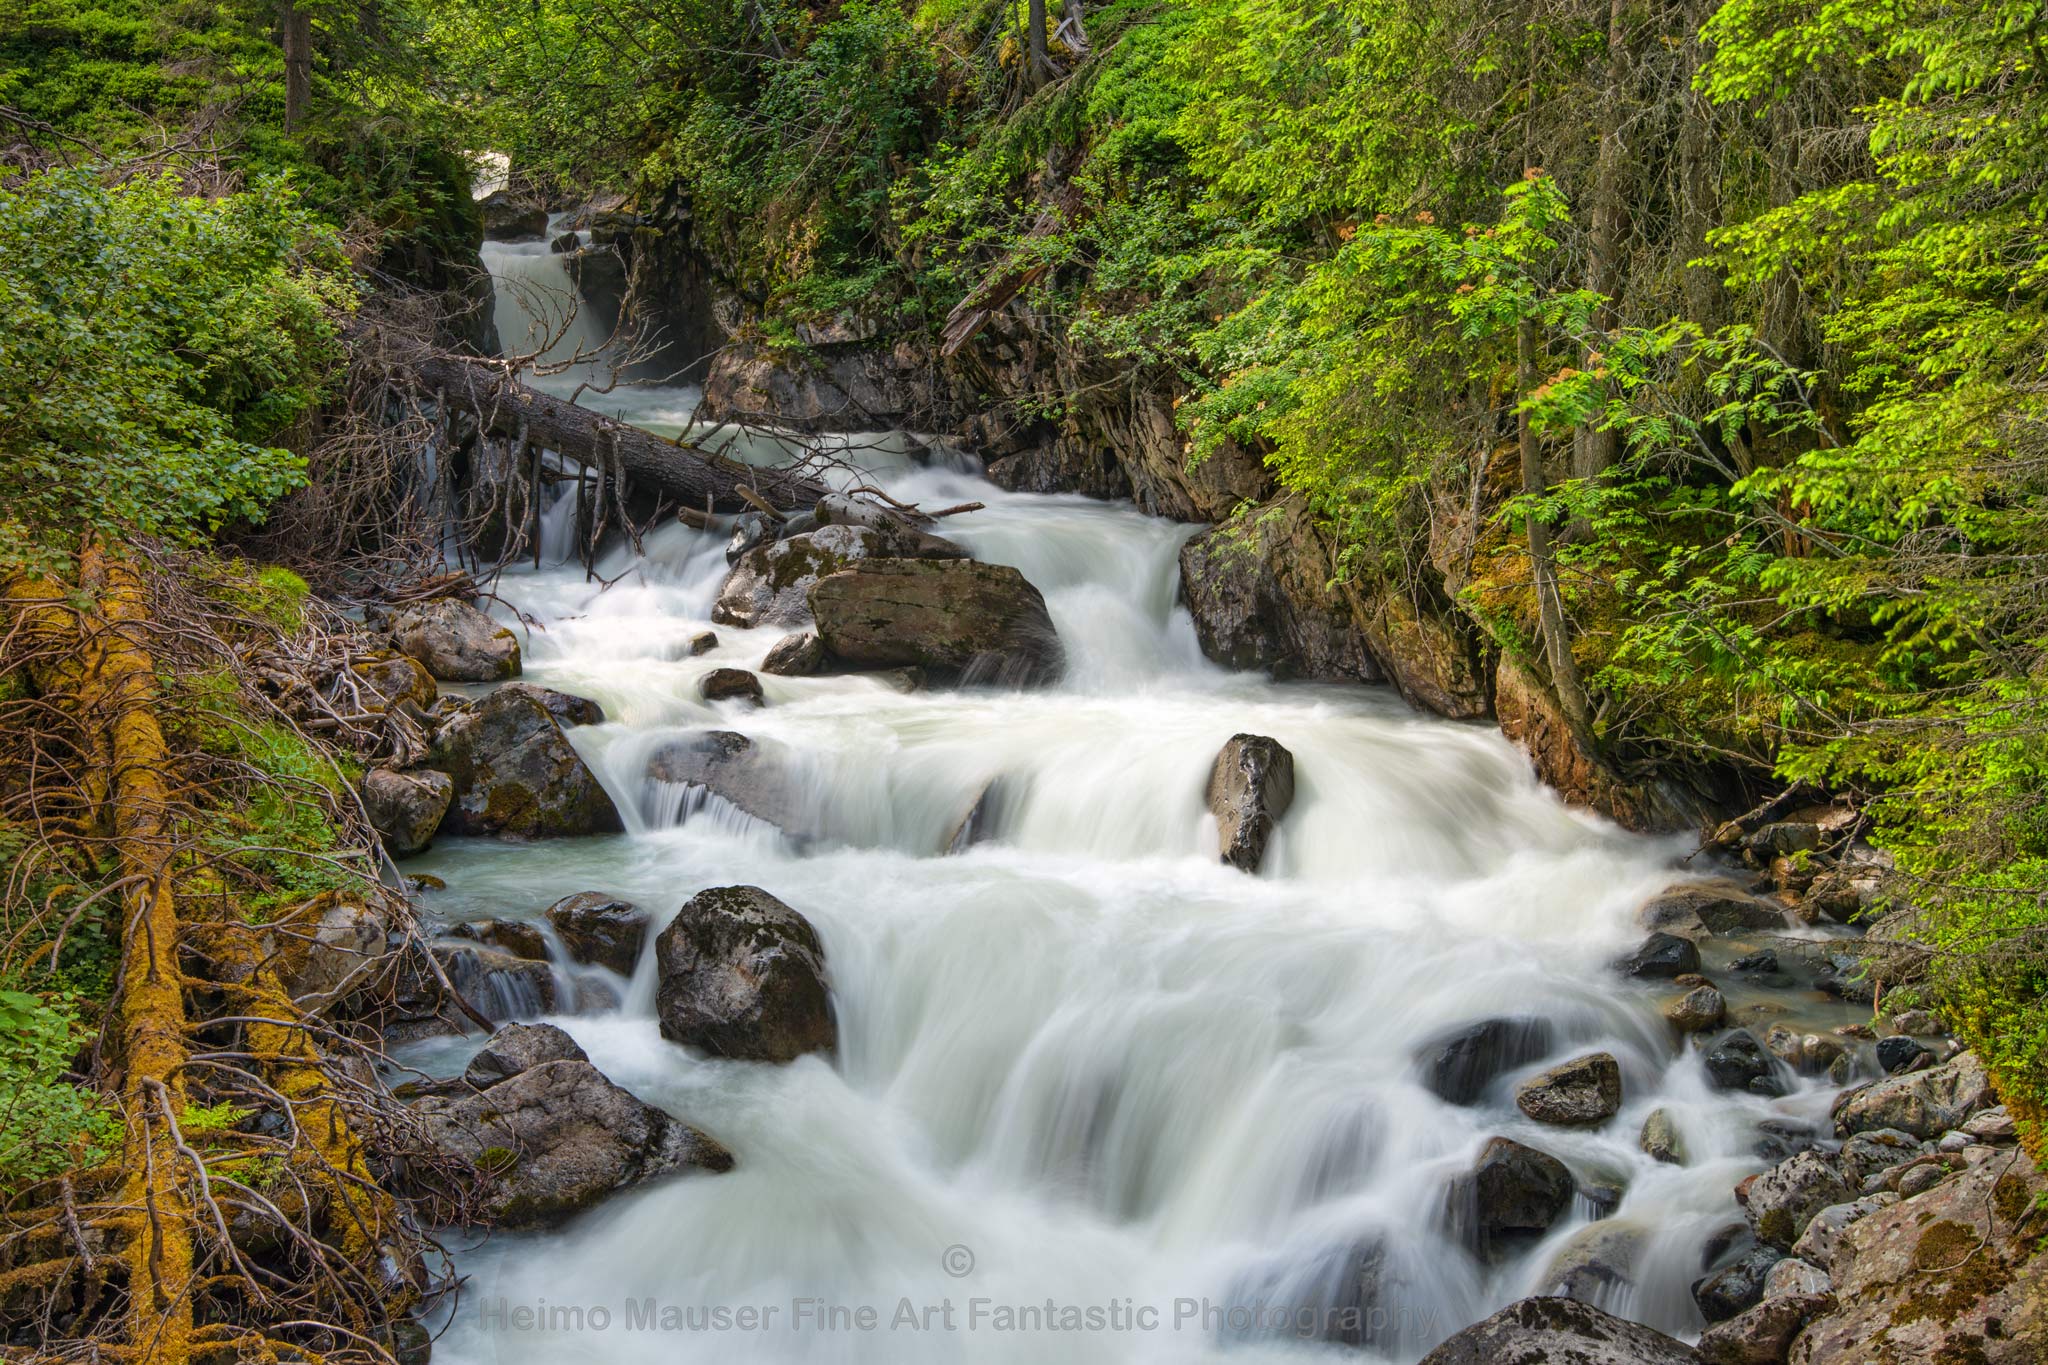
x=1251, y=786
x=737, y=770
x=1559, y=1331
x=961, y=619
x=1512, y=1195
x=549, y=1135
x=743, y=976
x=515, y=773
x=566, y=709
x=1458, y=1066
x=600, y=930
x=770, y=584
x=1578, y=1093
x=730, y=684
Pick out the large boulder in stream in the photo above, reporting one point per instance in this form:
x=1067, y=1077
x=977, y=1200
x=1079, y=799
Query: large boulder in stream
x=1251, y=785
x=554, y=1136
x=456, y=642
x=510, y=217
x=742, y=975
x=1711, y=907
x=771, y=584
x=1559, y=1331
x=515, y=773
x=957, y=618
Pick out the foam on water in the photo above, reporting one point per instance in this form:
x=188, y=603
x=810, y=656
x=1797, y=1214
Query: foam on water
x=1119, y=1072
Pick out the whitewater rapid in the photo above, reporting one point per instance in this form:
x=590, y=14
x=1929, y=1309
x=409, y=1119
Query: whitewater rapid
x=1085, y=1069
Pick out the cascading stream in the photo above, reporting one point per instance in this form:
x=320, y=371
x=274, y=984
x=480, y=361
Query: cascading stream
x=1118, y=1074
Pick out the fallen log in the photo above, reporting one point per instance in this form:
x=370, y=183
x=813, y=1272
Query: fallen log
x=679, y=472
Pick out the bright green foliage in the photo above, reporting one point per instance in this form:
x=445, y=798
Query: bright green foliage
x=47, y=1124
x=153, y=348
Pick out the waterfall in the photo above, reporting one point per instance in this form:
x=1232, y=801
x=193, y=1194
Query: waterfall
x=1084, y=1065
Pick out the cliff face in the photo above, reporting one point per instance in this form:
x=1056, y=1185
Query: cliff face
x=1263, y=584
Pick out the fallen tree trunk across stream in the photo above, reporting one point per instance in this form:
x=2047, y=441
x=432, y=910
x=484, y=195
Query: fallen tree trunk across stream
x=680, y=473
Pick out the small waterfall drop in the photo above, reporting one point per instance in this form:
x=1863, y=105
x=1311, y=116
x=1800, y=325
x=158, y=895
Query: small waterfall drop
x=1080, y=1057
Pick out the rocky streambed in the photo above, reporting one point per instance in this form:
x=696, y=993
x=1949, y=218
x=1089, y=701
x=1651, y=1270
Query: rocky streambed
x=854, y=899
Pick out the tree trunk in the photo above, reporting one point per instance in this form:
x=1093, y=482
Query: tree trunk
x=1038, y=61
x=295, y=33
x=684, y=475
x=1593, y=452
x=1557, y=648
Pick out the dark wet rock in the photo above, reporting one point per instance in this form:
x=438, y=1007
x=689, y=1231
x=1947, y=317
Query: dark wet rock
x=771, y=583
x=796, y=656
x=1925, y=1103
x=1559, y=1331
x=1716, y=907
x=565, y=243
x=1662, y=956
x=1698, y=1010
x=1761, y=1335
x=956, y=618
x=455, y=642
x=735, y=769
x=1739, y=1062
x=516, y=773
x=1660, y=1138
x=1458, y=1066
x=1737, y=1286
x=730, y=684
x=520, y=1047
x=566, y=710
x=983, y=818
x=1512, y=1195
x=1598, y=1264
x=1898, y=1053
x=743, y=976
x=510, y=217
x=556, y=1138
x=1585, y=1090
x=703, y=642
x=1783, y=1200
x=1251, y=785
x=516, y=937
x=1781, y=1139
x=1258, y=602
x=1846, y=977
x=1353, y=1294
x=500, y=986
x=1809, y=1054
x=406, y=808
x=600, y=930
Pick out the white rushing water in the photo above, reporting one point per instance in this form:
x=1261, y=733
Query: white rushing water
x=1084, y=1067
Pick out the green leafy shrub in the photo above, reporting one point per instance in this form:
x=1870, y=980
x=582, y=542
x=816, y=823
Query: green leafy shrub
x=153, y=345
x=47, y=1124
